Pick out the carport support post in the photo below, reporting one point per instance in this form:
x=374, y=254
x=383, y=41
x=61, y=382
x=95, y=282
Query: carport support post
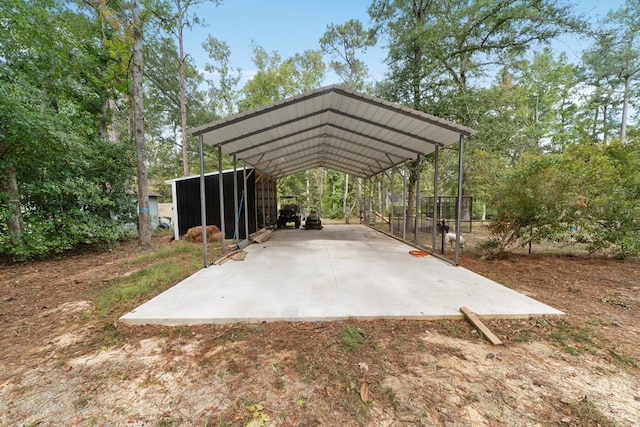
x=372, y=209
x=203, y=204
x=459, y=210
x=391, y=215
x=435, y=200
x=380, y=208
x=246, y=202
x=404, y=201
x=417, y=210
x=264, y=207
x=380, y=199
x=223, y=240
x=236, y=219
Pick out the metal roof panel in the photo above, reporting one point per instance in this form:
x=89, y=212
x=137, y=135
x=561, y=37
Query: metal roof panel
x=331, y=127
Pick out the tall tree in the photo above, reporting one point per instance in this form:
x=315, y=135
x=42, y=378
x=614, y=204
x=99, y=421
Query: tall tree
x=163, y=112
x=144, y=217
x=436, y=48
x=277, y=79
x=342, y=43
x=552, y=87
x=52, y=87
x=223, y=91
x=617, y=51
x=175, y=16
x=601, y=101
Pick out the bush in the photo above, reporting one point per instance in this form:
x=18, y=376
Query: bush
x=593, y=187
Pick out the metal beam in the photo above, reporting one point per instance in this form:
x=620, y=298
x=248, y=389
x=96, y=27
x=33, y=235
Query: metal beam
x=417, y=210
x=203, y=205
x=236, y=219
x=319, y=161
x=434, y=225
x=404, y=201
x=459, y=214
x=246, y=205
x=223, y=243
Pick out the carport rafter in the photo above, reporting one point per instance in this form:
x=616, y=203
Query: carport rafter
x=310, y=161
x=411, y=113
x=328, y=137
x=317, y=150
x=347, y=130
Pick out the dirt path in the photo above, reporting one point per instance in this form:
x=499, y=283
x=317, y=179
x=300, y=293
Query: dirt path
x=63, y=364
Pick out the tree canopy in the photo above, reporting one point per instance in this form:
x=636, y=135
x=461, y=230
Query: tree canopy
x=557, y=142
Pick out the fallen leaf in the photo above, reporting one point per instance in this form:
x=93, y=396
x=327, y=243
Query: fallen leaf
x=364, y=391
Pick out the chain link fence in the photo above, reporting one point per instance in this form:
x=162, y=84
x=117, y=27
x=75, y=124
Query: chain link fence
x=475, y=235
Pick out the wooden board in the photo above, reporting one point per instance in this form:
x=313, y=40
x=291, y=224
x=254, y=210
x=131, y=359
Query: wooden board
x=226, y=257
x=478, y=323
x=263, y=236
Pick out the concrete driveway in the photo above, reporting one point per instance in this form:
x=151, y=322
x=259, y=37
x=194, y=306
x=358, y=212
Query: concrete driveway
x=340, y=272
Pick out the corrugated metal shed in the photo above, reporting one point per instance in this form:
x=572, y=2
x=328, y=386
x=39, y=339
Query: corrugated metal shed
x=332, y=127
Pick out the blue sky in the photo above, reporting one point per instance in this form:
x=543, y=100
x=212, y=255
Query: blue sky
x=293, y=26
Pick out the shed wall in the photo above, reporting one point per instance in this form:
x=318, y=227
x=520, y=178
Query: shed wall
x=188, y=203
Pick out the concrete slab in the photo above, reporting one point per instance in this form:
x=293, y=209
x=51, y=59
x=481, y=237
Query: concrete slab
x=340, y=272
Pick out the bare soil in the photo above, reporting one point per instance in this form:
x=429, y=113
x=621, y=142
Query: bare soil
x=65, y=364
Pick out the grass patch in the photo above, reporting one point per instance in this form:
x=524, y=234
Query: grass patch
x=110, y=336
x=523, y=335
x=390, y=395
x=166, y=269
x=359, y=411
x=574, y=340
x=584, y=412
x=304, y=367
x=233, y=335
x=352, y=338
x=622, y=360
x=171, y=251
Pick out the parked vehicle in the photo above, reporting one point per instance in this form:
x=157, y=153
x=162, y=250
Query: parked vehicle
x=289, y=211
x=313, y=221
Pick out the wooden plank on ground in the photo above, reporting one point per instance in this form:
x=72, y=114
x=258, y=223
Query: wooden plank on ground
x=262, y=230
x=239, y=256
x=257, y=236
x=263, y=237
x=226, y=257
x=478, y=323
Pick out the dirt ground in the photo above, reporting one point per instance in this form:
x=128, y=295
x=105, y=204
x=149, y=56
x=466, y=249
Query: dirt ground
x=63, y=363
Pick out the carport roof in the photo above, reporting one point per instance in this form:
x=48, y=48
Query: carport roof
x=332, y=127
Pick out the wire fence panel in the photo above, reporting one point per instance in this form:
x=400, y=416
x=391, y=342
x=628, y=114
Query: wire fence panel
x=473, y=236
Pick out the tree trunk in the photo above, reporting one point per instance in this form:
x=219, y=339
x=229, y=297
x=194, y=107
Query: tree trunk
x=604, y=125
x=183, y=106
x=144, y=217
x=344, y=197
x=625, y=109
x=15, y=224
x=360, y=199
x=594, y=134
x=107, y=128
x=411, y=187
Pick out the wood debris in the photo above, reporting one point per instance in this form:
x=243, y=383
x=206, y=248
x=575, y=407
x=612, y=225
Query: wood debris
x=261, y=235
x=479, y=324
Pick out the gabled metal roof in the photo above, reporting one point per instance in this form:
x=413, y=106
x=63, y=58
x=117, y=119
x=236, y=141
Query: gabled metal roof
x=332, y=127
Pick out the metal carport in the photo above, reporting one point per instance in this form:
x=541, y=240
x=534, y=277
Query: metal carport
x=332, y=127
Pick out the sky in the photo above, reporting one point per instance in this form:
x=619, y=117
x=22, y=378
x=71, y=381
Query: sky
x=293, y=26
